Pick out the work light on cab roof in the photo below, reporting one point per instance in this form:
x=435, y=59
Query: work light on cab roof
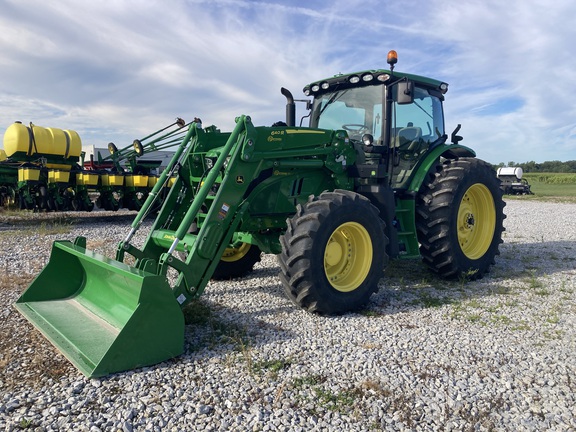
x=392, y=58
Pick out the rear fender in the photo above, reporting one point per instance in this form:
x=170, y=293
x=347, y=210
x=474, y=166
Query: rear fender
x=452, y=151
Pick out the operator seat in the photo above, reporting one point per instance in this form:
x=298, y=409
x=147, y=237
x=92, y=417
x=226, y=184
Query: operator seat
x=408, y=144
x=408, y=139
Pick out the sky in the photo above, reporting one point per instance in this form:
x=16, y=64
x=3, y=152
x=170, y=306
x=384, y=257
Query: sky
x=117, y=70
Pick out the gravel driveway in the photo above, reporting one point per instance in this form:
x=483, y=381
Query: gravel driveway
x=425, y=354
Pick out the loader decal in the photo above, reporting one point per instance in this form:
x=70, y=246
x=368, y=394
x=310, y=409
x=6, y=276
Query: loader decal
x=304, y=131
x=281, y=173
x=223, y=211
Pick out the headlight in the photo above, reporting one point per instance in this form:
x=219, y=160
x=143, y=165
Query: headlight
x=226, y=162
x=368, y=139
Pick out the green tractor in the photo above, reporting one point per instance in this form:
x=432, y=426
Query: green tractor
x=371, y=179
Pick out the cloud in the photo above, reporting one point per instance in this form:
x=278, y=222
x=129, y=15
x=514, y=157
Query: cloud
x=119, y=69
x=515, y=51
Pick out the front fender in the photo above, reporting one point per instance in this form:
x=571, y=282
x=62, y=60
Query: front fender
x=450, y=151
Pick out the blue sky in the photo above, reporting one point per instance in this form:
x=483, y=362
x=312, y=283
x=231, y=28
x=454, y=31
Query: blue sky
x=116, y=70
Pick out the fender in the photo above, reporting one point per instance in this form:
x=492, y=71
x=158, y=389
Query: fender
x=450, y=151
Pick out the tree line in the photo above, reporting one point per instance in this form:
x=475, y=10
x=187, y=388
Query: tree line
x=544, y=167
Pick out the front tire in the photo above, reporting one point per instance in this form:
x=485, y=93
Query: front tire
x=333, y=253
x=460, y=218
x=237, y=261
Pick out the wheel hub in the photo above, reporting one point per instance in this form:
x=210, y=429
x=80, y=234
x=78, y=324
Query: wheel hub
x=470, y=220
x=333, y=253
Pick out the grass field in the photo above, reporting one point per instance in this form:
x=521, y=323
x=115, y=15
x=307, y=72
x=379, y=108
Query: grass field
x=552, y=185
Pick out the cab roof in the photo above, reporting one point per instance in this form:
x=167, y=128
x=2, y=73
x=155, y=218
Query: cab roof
x=370, y=77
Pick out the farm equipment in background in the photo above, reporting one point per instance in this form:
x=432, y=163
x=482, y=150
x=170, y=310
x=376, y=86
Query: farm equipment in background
x=371, y=179
x=512, y=182
x=125, y=178
x=129, y=155
x=38, y=166
x=8, y=180
x=44, y=169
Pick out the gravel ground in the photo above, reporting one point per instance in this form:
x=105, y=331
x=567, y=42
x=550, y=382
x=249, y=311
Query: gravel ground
x=425, y=354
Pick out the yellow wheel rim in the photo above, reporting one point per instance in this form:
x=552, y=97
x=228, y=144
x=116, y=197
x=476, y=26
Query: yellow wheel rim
x=348, y=256
x=476, y=221
x=232, y=254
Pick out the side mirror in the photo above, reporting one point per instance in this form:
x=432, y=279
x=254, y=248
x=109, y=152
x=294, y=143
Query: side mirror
x=405, y=92
x=456, y=138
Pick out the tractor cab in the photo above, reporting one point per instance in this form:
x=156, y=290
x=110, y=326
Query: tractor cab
x=391, y=118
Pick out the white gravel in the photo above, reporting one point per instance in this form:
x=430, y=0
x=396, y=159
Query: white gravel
x=426, y=354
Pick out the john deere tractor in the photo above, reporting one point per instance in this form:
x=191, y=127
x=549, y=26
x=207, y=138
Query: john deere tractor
x=371, y=179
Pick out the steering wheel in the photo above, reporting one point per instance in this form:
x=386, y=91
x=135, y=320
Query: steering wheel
x=355, y=127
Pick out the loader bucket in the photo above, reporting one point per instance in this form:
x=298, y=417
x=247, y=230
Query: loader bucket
x=103, y=315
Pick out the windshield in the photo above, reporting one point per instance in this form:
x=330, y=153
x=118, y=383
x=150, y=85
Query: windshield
x=357, y=110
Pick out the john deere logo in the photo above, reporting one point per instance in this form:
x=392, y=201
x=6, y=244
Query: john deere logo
x=240, y=179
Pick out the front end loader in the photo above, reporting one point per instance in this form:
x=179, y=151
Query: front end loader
x=371, y=179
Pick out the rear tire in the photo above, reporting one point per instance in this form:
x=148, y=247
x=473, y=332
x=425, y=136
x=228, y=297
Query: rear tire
x=333, y=253
x=459, y=218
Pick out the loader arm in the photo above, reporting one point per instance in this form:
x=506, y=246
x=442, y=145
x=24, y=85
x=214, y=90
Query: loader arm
x=243, y=189
x=185, y=205
x=107, y=316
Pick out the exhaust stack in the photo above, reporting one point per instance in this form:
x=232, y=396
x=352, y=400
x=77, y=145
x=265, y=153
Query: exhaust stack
x=290, y=107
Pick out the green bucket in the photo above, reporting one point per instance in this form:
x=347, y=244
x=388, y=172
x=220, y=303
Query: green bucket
x=103, y=315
